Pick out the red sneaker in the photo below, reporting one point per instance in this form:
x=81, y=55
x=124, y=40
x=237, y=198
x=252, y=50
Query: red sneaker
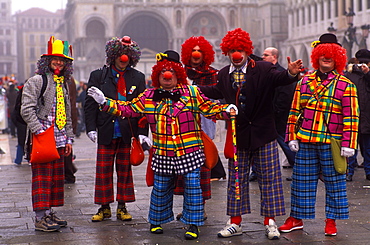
x=291, y=224
x=330, y=227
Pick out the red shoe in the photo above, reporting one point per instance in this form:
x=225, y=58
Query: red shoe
x=330, y=227
x=291, y=224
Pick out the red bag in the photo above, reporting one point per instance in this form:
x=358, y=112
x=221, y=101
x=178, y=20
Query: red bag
x=43, y=147
x=136, y=152
x=229, y=148
x=149, y=171
x=210, y=151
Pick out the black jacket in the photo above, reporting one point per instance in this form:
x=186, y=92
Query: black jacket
x=102, y=122
x=255, y=122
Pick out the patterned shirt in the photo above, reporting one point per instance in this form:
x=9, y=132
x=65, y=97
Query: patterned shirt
x=333, y=100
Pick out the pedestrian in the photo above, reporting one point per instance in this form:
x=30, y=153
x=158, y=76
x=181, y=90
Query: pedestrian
x=40, y=113
x=11, y=96
x=328, y=102
x=172, y=109
x=360, y=76
x=69, y=167
x=118, y=80
x=251, y=84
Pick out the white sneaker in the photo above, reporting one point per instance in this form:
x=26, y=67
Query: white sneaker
x=230, y=230
x=272, y=231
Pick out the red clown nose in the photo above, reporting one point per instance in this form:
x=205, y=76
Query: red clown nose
x=196, y=54
x=237, y=56
x=167, y=75
x=57, y=72
x=124, y=58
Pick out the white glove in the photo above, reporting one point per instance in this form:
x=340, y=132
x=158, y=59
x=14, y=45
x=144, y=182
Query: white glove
x=93, y=135
x=232, y=106
x=97, y=95
x=347, y=152
x=145, y=139
x=293, y=145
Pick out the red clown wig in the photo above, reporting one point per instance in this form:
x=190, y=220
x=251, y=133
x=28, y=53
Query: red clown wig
x=236, y=39
x=205, y=47
x=329, y=51
x=167, y=65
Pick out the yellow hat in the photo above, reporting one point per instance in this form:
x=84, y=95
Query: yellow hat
x=58, y=48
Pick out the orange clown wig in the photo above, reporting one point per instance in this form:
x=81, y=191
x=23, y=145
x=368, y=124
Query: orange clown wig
x=167, y=61
x=236, y=39
x=205, y=47
x=328, y=46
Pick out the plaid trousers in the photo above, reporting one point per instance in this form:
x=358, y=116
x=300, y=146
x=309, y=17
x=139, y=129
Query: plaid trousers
x=266, y=161
x=161, y=199
x=119, y=153
x=48, y=183
x=311, y=160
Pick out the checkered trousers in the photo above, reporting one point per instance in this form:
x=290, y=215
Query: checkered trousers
x=266, y=160
x=205, y=183
x=311, y=159
x=119, y=153
x=161, y=200
x=48, y=183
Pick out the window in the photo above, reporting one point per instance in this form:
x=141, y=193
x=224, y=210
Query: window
x=303, y=16
x=178, y=18
x=8, y=48
x=1, y=48
x=232, y=18
x=32, y=53
x=329, y=9
x=322, y=10
x=315, y=13
x=359, y=4
x=3, y=5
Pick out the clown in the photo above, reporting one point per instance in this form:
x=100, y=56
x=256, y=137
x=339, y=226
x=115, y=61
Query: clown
x=120, y=81
x=251, y=84
x=328, y=102
x=42, y=111
x=172, y=109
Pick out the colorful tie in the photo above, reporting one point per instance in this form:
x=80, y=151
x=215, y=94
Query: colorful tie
x=238, y=78
x=61, y=118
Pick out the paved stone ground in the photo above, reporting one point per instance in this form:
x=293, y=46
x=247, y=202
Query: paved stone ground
x=17, y=227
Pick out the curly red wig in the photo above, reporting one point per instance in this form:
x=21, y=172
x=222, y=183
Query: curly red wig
x=236, y=39
x=205, y=47
x=166, y=64
x=329, y=50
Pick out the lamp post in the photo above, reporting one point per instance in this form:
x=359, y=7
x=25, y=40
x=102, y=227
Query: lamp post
x=351, y=31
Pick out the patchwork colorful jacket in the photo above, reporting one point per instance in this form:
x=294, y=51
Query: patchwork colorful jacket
x=175, y=125
x=333, y=100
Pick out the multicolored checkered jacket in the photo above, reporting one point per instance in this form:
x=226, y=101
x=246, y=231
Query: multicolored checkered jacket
x=175, y=125
x=333, y=100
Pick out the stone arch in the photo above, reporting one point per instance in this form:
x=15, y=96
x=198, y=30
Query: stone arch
x=305, y=56
x=92, y=44
x=149, y=30
x=95, y=29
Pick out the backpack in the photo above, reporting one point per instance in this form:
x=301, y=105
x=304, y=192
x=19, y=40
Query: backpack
x=16, y=114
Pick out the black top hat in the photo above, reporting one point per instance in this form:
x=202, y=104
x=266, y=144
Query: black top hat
x=168, y=55
x=363, y=55
x=328, y=38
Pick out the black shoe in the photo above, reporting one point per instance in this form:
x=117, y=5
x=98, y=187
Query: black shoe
x=368, y=176
x=349, y=178
x=156, y=229
x=192, y=233
x=289, y=179
x=46, y=224
x=252, y=177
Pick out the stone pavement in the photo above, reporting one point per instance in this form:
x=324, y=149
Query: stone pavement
x=17, y=227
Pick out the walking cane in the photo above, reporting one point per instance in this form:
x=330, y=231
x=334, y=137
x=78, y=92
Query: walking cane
x=236, y=164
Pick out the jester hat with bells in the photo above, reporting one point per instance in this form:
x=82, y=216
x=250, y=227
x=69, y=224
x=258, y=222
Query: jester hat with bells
x=123, y=47
x=56, y=48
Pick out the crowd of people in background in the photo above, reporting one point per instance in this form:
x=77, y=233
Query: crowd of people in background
x=186, y=95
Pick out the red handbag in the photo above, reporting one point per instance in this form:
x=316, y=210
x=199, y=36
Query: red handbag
x=43, y=147
x=136, y=152
x=210, y=151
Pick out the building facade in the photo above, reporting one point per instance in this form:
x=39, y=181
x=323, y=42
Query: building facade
x=34, y=28
x=8, y=49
